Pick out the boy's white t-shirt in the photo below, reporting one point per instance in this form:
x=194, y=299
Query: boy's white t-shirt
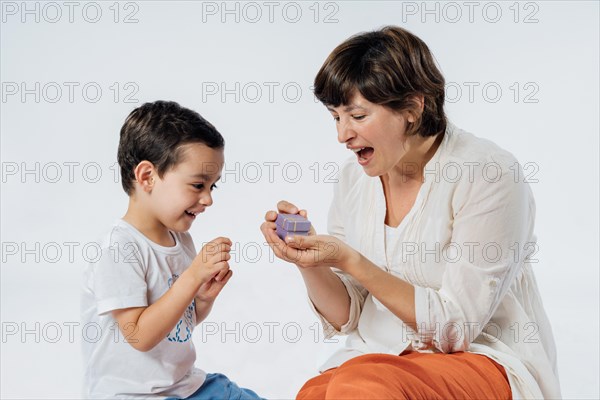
x=133, y=271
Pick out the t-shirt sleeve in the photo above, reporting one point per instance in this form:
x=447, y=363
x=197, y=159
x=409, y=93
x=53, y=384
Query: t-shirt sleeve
x=119, y=276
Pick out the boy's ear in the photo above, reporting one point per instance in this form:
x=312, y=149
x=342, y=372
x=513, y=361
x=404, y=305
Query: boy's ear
x=144, y=175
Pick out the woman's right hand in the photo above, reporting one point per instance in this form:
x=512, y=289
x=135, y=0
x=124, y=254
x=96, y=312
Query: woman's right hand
x=279, y=247
x=325, y=288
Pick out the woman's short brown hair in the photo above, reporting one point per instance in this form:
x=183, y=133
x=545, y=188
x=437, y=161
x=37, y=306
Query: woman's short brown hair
x=389, y=67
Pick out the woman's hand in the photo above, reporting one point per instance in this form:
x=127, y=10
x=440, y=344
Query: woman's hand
x=283, y=207
x=320, y=251
x=268, y=229
x=305, y=251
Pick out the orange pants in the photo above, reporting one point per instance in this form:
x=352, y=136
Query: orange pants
x=411, y=376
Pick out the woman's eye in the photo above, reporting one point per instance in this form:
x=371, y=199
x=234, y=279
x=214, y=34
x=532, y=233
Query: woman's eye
x=358, y=117
x=336, y=119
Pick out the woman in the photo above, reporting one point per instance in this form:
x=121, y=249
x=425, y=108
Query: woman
x=427, y=267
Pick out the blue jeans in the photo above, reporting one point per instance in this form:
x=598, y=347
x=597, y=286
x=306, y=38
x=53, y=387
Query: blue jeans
x=219, y=387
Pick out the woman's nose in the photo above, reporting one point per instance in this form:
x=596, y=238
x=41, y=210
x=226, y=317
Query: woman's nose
x=345, y=132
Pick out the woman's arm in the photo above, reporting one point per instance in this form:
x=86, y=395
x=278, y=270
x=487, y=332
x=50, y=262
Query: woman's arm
x=328, y=294
x=397, y=295
x=495, y=214
x=325, y=288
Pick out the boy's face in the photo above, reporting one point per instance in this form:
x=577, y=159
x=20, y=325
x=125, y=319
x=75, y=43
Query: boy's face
x=185, y=190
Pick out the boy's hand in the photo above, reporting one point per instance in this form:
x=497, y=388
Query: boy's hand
x=209, y=291
x=211, y=264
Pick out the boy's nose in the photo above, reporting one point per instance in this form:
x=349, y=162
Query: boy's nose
x=206, y=200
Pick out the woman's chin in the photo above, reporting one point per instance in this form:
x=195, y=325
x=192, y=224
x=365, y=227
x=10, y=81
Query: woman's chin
x=372, y=172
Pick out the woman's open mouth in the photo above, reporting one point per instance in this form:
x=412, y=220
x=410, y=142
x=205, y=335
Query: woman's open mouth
x=364, y=154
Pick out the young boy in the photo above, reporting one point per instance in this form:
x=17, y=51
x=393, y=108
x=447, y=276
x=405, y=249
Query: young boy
x=149, y=288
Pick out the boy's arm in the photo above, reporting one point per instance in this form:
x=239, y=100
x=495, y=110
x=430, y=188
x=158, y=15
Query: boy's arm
x=145, y=327
x=208, y=292
x=202, y=309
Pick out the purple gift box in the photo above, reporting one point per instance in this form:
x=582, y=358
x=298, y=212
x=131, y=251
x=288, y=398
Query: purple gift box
x=293, y=222
x=282, y=233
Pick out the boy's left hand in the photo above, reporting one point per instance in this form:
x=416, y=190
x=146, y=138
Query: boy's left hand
x=209, y=291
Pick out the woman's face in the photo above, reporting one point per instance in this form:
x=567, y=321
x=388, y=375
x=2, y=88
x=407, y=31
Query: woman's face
x=374, y=133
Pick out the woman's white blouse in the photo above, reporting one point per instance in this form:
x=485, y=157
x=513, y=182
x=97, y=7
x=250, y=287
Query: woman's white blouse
x=467, y=245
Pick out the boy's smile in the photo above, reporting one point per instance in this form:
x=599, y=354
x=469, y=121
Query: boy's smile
x=192, y=214
x=186, y=190
x=173, y=202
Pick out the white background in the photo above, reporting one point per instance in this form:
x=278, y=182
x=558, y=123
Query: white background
x=178, y=50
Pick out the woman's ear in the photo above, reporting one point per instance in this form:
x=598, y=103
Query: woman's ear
x=144, y=174
x=418, y=105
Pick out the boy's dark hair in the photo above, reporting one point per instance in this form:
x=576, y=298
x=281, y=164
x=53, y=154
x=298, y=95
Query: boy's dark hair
x=156, y=132
x=387, y=67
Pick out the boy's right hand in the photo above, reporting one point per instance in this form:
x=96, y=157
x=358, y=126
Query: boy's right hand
x=212, y=261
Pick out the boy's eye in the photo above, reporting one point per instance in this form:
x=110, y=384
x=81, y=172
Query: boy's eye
x=200, y=186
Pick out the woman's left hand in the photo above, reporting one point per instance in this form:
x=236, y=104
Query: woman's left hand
x=319, y=251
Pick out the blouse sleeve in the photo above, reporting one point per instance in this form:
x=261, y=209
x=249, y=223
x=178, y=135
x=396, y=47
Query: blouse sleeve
x=357, y=293
x=493, y=221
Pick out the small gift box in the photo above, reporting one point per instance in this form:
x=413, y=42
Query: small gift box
x=291, y=224
x=282, y=233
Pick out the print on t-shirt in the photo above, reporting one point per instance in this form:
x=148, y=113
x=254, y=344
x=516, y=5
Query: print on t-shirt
x=183, y=330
